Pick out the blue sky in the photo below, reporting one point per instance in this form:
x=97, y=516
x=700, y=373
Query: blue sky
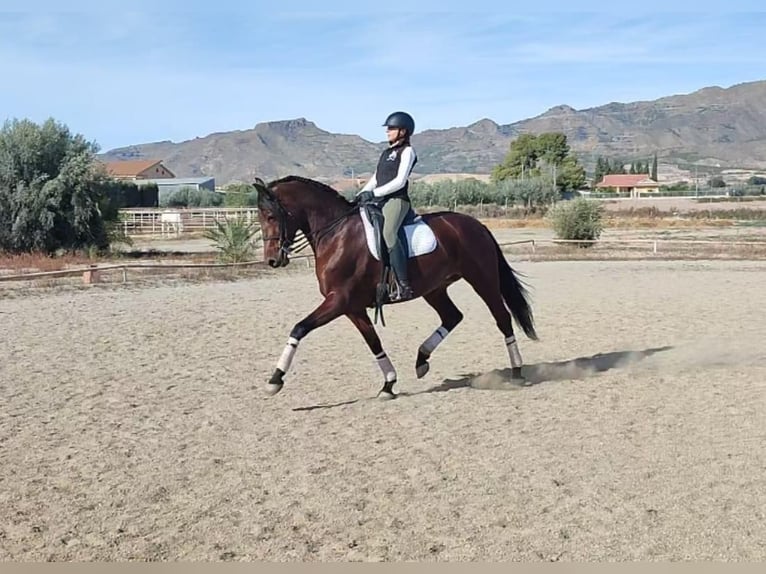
x=133, y=73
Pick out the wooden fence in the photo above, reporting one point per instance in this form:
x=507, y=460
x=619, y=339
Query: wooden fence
x=91, y=273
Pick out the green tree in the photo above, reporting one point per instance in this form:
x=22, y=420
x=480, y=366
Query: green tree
x=654, y=167
x=571, y=175
x=546, y=154
x=521, y=158
x=240, y=195
x=601, y=169
x=52, y=191
x=552, y=147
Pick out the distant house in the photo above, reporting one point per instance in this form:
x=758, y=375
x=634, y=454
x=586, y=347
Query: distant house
x=166, y=186
x=628, y=183
x=139, y=169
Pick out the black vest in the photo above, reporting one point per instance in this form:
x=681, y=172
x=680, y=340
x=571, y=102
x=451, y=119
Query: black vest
x=388, y=167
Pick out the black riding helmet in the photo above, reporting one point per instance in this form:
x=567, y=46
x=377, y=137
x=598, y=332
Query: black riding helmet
x=400, y=120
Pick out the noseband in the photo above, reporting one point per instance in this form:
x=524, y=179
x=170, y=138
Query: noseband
x=271, y=201
x=281, y=214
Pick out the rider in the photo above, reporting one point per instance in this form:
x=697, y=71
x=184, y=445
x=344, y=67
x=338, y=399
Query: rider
x=389, y=188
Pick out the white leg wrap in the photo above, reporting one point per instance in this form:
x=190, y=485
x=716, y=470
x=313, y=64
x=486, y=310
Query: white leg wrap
x=387, y=367
x=287, y=355
x=430, y=344
x=513, y=351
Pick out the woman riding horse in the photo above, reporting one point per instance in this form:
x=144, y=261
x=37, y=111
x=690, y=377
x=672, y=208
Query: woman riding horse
x=389, y=187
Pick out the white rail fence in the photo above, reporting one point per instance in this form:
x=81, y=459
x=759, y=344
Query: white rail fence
x=176, y=221
x=92, y=273
x=653, y=243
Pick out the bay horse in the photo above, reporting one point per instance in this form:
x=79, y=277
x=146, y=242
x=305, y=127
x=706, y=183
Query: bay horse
x=348, y=272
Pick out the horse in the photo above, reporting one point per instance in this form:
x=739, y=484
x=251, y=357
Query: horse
x=443, y=248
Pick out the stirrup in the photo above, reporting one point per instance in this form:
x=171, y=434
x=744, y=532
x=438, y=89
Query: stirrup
x=403, y=293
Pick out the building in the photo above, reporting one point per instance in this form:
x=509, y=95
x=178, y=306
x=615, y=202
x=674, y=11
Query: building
x=166, y=186
x=628, y=183
x=139, y=169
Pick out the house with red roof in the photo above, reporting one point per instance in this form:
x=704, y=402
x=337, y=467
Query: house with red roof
x=628, y=183
x=132, y=170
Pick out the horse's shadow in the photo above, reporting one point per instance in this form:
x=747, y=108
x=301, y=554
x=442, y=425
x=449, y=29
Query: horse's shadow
x=579, y=368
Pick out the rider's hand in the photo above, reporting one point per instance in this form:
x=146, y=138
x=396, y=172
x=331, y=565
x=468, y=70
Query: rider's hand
x=365, y=197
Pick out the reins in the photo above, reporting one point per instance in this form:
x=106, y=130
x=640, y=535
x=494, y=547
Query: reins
x=286, y=246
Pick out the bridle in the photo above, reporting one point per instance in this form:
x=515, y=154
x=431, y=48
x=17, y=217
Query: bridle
x=285, y=243
x=281, y=214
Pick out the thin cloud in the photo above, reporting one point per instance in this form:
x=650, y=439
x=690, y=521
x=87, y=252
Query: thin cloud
x=179, y=75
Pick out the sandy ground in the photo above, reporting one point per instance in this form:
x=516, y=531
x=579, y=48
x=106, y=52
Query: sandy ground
x=134, y=426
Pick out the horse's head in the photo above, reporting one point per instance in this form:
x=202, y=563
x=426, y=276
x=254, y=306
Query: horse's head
x=278, y=227
x=294, y=203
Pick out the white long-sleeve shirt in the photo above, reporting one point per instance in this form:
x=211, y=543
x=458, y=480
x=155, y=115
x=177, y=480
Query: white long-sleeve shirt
x=406, y=159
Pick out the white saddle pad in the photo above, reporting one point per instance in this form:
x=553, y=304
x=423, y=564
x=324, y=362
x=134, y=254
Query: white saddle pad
x=420, y=237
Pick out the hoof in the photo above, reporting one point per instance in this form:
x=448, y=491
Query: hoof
x=272, y=389
x=520, y=381
x=275, y=383
x=387, y=392
x=422, y=369
x=386, y=396
x=517, y=379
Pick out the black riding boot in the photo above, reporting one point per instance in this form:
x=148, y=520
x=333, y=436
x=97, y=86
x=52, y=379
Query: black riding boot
x=398, y=259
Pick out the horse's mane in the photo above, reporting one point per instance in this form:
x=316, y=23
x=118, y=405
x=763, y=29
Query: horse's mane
x=310, y=182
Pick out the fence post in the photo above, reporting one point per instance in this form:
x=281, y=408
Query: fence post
x=90, y=275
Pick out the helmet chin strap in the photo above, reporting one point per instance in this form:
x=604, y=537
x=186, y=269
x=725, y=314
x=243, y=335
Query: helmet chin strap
x=399, y=137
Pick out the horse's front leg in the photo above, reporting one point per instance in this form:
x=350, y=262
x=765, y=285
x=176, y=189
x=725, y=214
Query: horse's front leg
x=331, y=308
x=362, y=322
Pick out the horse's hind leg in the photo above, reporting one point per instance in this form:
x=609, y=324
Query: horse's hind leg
x=485, y=281
x=362, y=322
x=450, y=316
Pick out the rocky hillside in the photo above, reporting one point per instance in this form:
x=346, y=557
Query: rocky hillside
x=712, y=126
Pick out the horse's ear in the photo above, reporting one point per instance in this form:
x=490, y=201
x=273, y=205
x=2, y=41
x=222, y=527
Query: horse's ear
x=259, y=184
x=260, y=187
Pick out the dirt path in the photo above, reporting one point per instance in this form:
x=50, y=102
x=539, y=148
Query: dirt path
x=129, y=427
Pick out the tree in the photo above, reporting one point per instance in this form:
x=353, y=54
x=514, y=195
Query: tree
x=601, y=169
x=521, y=157
x=52, y=191
x=716, y=181
x=571, y=175
x=654, y=167
x=547, y=154
x=605, y=167
x=240, y=195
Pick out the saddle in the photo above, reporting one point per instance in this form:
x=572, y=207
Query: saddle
x=387, y=286
x=374, y=214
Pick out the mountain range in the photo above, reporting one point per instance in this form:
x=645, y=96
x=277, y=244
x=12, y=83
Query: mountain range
x=711, y=127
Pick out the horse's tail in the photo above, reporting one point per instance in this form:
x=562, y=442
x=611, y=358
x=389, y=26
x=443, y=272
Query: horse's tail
x=515, y=294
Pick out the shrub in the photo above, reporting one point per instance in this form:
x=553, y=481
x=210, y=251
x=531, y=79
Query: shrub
x=233, y=238
x=577, y=219
x=191, y=197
